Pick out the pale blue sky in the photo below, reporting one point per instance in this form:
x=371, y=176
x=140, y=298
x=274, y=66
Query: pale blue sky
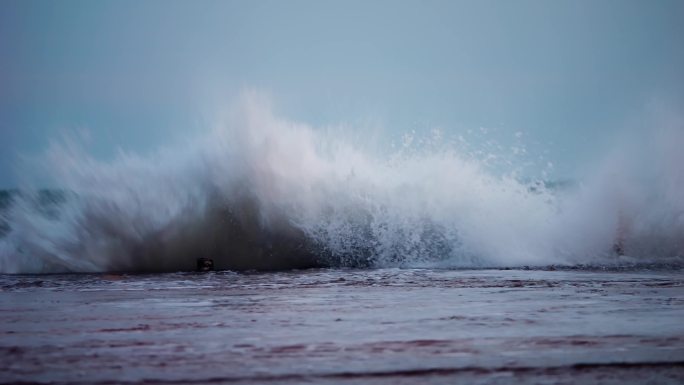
x=571, y=75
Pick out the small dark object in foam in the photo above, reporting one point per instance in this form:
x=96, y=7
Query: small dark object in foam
x=205, y=264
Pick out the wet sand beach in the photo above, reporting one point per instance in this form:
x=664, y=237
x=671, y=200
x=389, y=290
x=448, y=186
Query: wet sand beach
x=385, y=326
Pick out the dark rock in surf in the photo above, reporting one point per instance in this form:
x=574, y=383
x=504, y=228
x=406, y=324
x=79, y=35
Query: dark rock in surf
x=205, y=264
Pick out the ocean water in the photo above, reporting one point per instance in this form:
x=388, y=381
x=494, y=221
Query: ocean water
x=346, y=326
x=435, y=260
x=262, y=192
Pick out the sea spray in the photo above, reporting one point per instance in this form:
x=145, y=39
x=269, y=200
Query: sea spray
x=262, y=192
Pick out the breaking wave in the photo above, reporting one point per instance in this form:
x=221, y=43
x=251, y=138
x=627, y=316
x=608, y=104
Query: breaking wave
x=261, y=192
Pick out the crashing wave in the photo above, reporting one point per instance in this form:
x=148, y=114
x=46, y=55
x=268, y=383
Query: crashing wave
x=261, y=192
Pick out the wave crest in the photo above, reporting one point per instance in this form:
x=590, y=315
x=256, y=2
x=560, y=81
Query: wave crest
x=261, y=192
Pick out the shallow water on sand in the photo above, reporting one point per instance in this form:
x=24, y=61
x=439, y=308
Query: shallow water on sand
x=382, y=326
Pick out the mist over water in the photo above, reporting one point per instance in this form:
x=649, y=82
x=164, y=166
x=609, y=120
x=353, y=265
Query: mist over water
x=262, y=192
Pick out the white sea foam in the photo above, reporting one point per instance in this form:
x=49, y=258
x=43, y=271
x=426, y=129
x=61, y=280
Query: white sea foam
x=259, y=191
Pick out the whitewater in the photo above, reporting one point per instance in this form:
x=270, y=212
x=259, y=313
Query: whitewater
x=259, y=191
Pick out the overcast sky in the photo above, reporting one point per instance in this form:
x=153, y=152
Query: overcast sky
x=571, y=75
